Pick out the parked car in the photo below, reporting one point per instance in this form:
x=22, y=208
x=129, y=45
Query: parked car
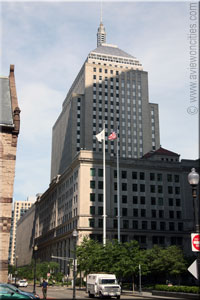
x=15, y=293
x=22, y=282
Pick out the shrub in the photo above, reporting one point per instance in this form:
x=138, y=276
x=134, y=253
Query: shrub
x=177, y=288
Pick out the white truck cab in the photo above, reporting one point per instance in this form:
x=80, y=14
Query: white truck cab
x=103, y=285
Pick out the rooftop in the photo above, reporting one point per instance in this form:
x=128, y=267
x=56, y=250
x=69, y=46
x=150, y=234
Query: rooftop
x=6, y=117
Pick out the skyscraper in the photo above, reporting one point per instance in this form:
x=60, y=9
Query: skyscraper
x=111, y=87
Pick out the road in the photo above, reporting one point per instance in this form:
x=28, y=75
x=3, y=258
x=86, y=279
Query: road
x=56, y=292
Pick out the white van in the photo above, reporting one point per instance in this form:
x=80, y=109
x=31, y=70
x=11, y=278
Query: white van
x=103, y=285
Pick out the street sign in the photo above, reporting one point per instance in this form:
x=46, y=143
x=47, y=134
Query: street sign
x=195, y=240
x=193, y=269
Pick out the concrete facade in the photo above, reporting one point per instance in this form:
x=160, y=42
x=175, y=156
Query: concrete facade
x=25, y=233
x=20, y=208
x=9, y=130
x=155, y=204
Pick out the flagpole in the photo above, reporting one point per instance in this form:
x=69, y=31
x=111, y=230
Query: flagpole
x=118, y=189
x=104, y=189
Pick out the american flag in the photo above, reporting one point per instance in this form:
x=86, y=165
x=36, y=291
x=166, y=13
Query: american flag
x=112, y=136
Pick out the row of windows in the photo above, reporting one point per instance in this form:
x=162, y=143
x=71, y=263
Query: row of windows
x=138, y=187
x=145, y=225
x=139, y=200
x=124, y=211
x=142, y=239
x=139, y=175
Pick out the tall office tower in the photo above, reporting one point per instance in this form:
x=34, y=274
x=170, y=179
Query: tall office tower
x=20, y=208
x=111, y=87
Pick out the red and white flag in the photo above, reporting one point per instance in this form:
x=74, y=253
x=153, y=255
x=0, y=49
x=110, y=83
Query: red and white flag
x=112, y=136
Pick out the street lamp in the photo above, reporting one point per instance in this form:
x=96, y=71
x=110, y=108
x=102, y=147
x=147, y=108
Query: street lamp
x=74, y=234
x=16, y=258
x=193, y=179
x=35, y=248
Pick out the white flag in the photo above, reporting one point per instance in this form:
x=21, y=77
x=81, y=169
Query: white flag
x=101, y=136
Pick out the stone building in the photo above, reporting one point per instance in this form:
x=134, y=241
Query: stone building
x=9, y=130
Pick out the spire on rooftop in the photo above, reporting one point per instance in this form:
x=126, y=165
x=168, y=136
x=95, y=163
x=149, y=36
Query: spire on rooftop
x=101, y=35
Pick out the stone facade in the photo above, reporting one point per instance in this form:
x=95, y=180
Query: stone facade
x=9, y=130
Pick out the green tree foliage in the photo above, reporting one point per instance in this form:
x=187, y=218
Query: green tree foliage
x=123, y=259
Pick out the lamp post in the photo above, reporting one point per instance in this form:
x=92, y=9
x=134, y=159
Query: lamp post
x=193, y=179
x=35, y=248
x=16, y=258
x=74, y=234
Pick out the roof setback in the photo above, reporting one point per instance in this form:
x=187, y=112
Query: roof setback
x=112, y=50
x=6, y=116
x=160, y=151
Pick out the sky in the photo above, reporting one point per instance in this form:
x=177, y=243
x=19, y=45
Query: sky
x=48, y=43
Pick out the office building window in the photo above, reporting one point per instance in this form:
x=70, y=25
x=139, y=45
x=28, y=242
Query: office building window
x=100, y=185
x=143, y=212
x=161, y=214
x=92, y=172
x=160, y=201
x=124, y=199
x=100, y=223
x=153, y=225
x=124, y=186
x=142, y=200
x=144, y=224
x=92, y=223
x=153, y=213
x=171, y=201
x=135, y=200
x=180, y=226
x=162, y=226
x=152, y=176
x=135, y=212
x=92, y=210
x=142, y=188
x=124, y=211
x=134, y=175
x=100, y=172
x=159, y=177
x=171, y=214
x=153, y=201
x=134, y=187
x=169, y=177
x=178, y=202
x=100, y=210
x=92, y=197
x=92, y=184
x=115, y=223
x=100, y=197
x=176, y=178
x=171, y=226
x=135, y=224
x=124, y=174
x=160, y=189
x=125, y=224
x=170, y=190
x=152, y=189
x=142, y=175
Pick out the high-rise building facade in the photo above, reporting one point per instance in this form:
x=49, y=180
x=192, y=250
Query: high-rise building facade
x=111, y=87
x=20, y=208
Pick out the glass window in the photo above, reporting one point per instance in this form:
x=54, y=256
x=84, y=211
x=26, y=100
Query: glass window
x=100, y=210
x=153, y=213
x=142, y=200
x=134, y=175
x=135, y=224
x=144, y=224
x=100, y=172
x=91, y=222
x=153, y=225
x=142, y=175
x=124, y=211
x=160, y=189
x=178, y=202
x=170, y=190
x=135, y=200
x=161, y=214
x=160, y=201
x=171, y=214
x=177, y=190
x=143, y=212
x=171, y=201
x=124, y=199
x=92, y=210
x=134, y=187
x=92, y=197
x=162, y=226
x=100, y=185
x=176, y=178
x=124, y=174
x=124, y=186
x=152, y=176
x=153, y=201
x=159, y=177
x=142, y=188
x=100, y=223
x=169, y=177
x=100, y=197
x=135, y=212
x=171, y=226
x=92, y=172
x=152, y=188
x=125, y=224
x=92, y=184
x=115, y=223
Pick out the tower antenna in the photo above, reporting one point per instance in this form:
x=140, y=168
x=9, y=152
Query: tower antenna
x=101, y=13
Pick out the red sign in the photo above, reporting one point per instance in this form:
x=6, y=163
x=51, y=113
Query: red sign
x=195, y=238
